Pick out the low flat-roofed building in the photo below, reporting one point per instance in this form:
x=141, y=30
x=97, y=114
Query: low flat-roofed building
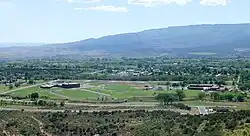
x=211, y=87
x=71, y=85
x=46, y=86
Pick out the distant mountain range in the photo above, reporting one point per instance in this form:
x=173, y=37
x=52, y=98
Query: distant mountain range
x=20, y=44
x=195, y=40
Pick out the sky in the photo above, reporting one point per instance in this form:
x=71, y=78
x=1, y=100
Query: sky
x=59, y=21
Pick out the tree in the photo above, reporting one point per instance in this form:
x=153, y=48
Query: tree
x=166, y=98
x=62, y=103
x=41, y=103
x=109, y=70
x=215, y=96
x=168, y=85
x=17, y=84
x=229, y=97
x=31, y=81
x=180, y=94
x=34, y=96
x=201, y=95
x=240, y=98
x=11, y=86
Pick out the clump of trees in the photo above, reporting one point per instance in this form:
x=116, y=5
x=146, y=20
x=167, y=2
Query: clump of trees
x=166, y=98
x=182, y=106
x=234, y=97
x=201, y=95
x=169, y=98
x=34, y=96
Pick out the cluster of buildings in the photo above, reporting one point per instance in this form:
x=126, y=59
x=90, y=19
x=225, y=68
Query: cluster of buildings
x=206, y=87
x=156, y=88
x=133, y=72
x=61, y=84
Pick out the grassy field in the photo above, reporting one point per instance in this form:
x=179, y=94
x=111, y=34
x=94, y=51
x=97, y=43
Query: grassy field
x=124, y=91
x=3, y=88
x=41, y=92
x=116, y=90
x=78, y=94
x=71, y=93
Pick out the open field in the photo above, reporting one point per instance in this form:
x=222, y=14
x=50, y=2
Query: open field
x=3, y=88
x=57, y=93
x=116, y=90
x=78, y=94
x=124, y=91
x=41, y=92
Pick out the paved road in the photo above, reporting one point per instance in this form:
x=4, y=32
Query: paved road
x=202, y=110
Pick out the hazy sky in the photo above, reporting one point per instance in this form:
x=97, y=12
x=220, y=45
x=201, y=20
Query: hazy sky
x=49, y=21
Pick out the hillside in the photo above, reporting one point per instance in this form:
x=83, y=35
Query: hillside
x=220, y=39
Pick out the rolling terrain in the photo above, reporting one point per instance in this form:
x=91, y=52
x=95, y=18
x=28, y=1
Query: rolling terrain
x=180, y=41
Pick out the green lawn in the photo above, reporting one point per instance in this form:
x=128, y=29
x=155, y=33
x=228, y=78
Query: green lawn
x=42, y=92
x=191, y=93
x=71, y=93
x=127, y=94
x=78, y=94
x=120, y=91
x=119, y=87
x=3, y=88
x=126, y=91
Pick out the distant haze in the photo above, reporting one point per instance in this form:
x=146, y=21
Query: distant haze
x=20, y=44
